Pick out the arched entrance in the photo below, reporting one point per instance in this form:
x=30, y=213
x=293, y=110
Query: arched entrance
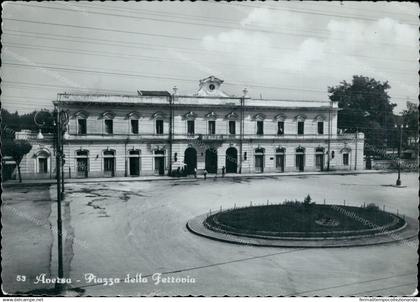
x=231, y=160
x=190, y=160
x=211, y=160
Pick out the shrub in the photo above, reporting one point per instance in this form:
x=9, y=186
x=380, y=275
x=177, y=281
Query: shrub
x=372, y=207
x=307, y=200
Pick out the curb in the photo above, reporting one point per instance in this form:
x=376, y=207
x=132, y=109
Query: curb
x=166, y=178
x=407, y=232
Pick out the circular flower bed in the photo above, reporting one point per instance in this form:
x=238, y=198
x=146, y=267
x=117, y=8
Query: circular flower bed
x=295, y=219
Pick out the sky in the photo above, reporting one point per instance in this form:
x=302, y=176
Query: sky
x=277, y=50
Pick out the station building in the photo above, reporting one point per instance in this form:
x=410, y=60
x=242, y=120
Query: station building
x=156, y=132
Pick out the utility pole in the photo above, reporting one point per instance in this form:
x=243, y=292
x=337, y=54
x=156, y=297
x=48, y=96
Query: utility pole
x=171, y=99
x=329, y=137
x=241, y=128
x=399, y=158
x=59, y=159
x=355, y=151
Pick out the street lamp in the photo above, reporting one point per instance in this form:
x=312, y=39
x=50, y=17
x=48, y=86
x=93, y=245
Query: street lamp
x=400, y=126
x=60, y=125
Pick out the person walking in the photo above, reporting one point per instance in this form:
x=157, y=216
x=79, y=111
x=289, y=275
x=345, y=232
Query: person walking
x=223, y=171
x=195, y=172
x=205, y=174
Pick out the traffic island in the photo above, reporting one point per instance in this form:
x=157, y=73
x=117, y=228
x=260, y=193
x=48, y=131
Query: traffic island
x=304, y=224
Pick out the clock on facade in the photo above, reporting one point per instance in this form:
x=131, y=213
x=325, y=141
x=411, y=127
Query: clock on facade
x=211, y=87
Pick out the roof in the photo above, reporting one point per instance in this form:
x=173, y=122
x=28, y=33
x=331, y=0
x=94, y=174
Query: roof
x=153, y=92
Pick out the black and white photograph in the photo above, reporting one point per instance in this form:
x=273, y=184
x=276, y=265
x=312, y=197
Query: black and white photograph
x=209, y=149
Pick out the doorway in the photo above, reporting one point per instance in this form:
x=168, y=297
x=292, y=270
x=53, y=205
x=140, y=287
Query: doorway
x=231, y=160
x=211, y=160
x=300, y=159
x=280, y=159
x=319, y=159
x=259, y=160
x=190, y=160
x=160, y=162
x=134, y=162
x=82, y=162
x=109, y=163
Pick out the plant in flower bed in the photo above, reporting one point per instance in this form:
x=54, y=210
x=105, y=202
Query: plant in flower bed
x=304, y=219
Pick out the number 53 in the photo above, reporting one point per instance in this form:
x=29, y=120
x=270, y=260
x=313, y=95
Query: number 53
x=21, y=278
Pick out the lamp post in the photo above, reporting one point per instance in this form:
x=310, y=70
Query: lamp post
x=60, y=124
x=401, y=126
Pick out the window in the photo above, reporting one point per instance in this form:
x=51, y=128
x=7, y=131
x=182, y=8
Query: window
x=346, y=159
x=212, y=127
x=159, y=126
x=134, y=126
x=320, y=127
x=190, y=127
x=280, y=128
x=232, y=127
x=301, y=127
x=81, y=126
x=245, y=156
x=109, y=129
x=260, y=127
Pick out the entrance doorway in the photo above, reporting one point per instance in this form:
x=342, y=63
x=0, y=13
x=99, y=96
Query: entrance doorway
x=160, y=162
x=43, y=165
x=300, y=159
x=134, y=162
x=280, y=159
x=231, y=160
x=109, y=163
x=190, y=160
x=82, y=160
x=211, y=160
x=259, y=160
x=319, y=158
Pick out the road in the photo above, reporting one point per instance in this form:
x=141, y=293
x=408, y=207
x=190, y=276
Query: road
x=139, y=227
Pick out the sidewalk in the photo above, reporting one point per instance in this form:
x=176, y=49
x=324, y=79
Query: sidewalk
x=27, y=182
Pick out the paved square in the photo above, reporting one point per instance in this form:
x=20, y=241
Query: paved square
x=139, y=227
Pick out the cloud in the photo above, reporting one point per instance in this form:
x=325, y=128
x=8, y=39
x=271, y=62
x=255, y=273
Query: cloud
x=263, y=17
x=338, y=49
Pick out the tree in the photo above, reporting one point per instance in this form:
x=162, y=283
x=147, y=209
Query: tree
x=17, y=149
x=365, y=106
x=13, y=122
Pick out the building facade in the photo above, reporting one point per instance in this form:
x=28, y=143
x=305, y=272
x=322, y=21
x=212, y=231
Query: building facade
x=156, y=132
